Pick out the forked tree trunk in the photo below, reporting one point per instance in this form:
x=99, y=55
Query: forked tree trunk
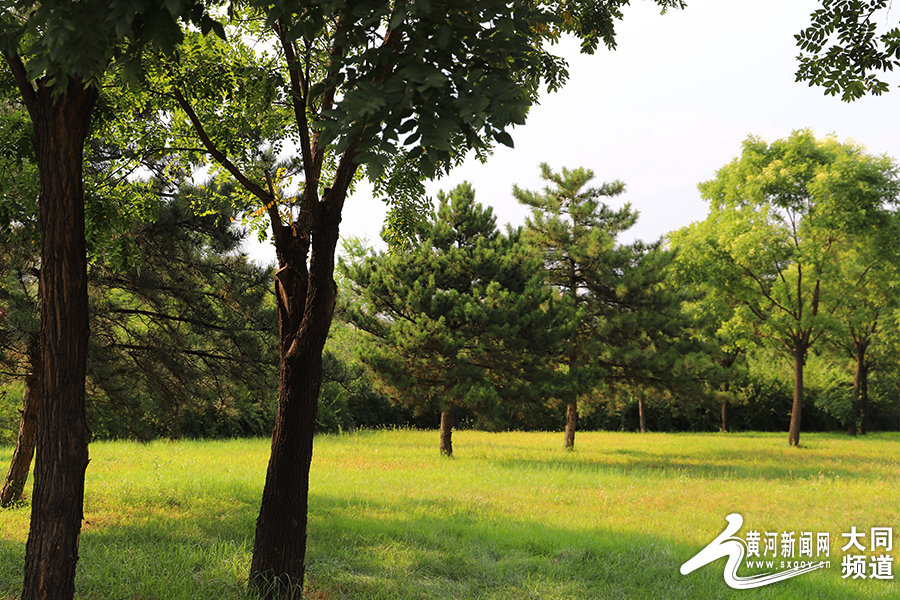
x=797, y=408
x=447, y=432
x=571, y=424
x=305, y=301
x=21, y=460
x=61, y=125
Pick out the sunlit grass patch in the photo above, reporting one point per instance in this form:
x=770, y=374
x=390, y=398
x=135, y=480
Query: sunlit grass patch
x=512, y=515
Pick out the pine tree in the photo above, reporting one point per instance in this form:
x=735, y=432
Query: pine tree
x=464, y=319
x=575, y=232
x=182, y=330
x=630, y=329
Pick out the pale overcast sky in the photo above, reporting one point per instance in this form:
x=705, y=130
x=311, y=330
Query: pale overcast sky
x=663, y=112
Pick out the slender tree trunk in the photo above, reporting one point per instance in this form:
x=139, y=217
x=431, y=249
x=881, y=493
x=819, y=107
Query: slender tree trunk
x=725, y=388
x=726, y=360
x=571, y=424
x=447, y=432
x=642, y=416
x=22, y=455
x=864, y=397
x=61, y=125
x=854, y=402
x=796, y=409
x=305, y=306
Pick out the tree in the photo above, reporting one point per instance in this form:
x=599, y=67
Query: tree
x=182, y=328
x=630, y=328
x=182, y=336
x=870, y=272
x=348, y=80
x=708, y=309
x=576, y=234
x=648, y=342
x=20, y=350
x=462, y=320
x=67, y=47
x=778, y=216
x=19, y=317
x=856, y=51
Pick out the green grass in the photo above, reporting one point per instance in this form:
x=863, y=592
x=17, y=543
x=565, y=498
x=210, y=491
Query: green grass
x=512, y=516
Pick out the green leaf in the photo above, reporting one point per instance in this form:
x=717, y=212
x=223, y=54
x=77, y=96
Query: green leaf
x=504, y=138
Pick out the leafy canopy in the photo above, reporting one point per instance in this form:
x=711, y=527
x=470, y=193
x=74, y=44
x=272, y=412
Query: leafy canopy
x=778, y=216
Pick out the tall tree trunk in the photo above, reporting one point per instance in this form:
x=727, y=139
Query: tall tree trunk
x=22, y=455
x=796, y=409
x=642, y=415
x=571, y=424
x=447, y=432
x=61, y=125
x=305, y=308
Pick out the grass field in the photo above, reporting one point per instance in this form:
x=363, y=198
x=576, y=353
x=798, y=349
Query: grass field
x=512, y=516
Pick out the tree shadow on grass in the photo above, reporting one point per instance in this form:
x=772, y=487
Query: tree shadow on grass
x=415, y=549
x=378, y=552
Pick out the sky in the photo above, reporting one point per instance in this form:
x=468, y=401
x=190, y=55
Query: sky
x=662, y=112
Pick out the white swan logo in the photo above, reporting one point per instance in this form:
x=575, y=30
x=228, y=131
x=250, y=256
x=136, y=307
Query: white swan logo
x=735, y=549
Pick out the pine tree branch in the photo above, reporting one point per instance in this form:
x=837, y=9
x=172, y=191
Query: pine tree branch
x=158, y=315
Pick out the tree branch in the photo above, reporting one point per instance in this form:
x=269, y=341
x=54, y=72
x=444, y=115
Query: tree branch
x=765, y=292
x=21, y=77
x=299, y=102
x=199, y=353
x=216, y=154
x=157, y=315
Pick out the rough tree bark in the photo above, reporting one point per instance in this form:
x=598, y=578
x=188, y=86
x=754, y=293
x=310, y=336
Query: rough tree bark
x=447, y=432
x=305, y=298
x=20, y=465
x=61, y=124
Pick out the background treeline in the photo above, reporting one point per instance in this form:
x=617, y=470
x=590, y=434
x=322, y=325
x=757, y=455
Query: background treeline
x=467, y=325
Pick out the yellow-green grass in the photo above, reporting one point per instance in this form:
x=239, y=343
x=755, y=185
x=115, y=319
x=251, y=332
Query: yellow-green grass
x=512, y=515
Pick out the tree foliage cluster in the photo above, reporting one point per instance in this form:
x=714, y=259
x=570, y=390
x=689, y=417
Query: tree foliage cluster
x=843, y=51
